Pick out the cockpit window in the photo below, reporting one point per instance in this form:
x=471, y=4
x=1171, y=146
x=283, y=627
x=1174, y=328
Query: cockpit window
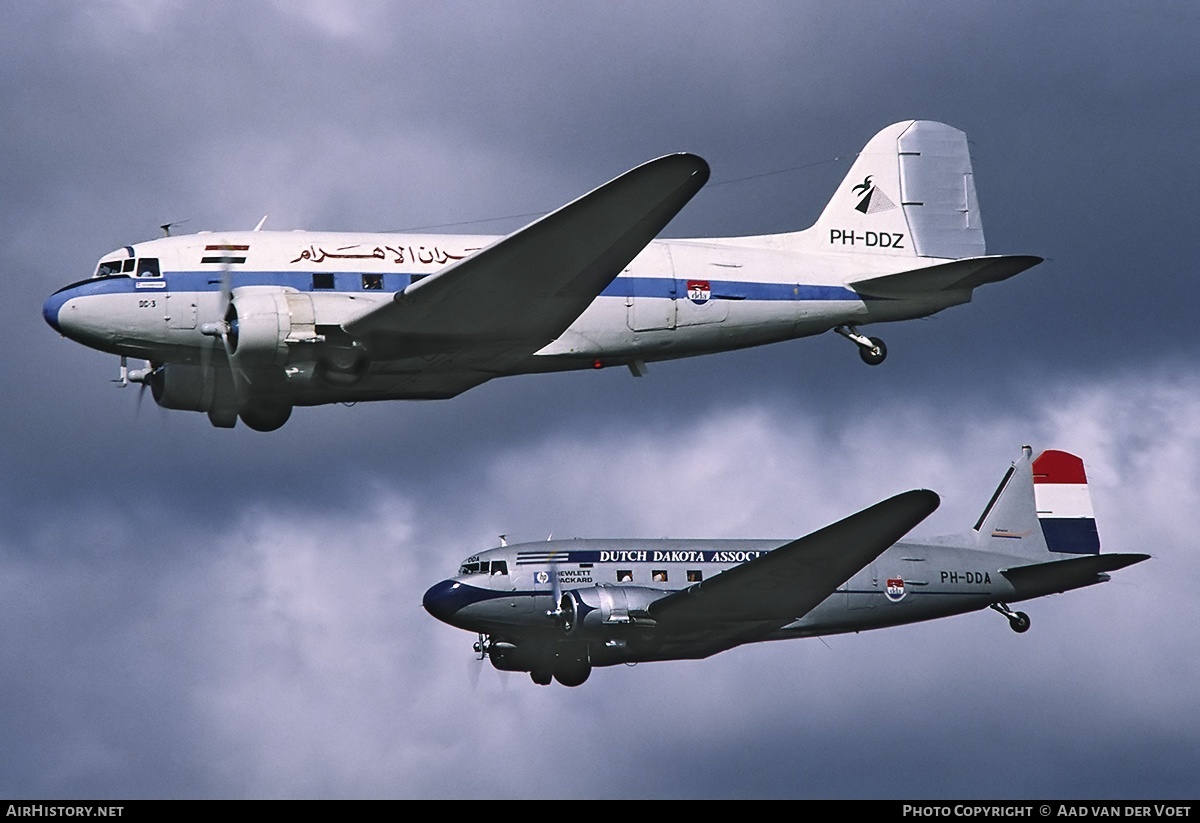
x=127, y=266
x=108, y=268
x=148, y=267
x=484, y=567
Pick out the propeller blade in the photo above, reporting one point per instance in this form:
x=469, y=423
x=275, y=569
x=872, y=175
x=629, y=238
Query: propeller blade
x=236, y=373
x=474, y=665
x=226, y=289
x=223, y=327
x=555, y=586
x=558, y=614
x=206, y=357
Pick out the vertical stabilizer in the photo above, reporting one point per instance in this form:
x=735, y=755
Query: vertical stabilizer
x=1042, y=507
x=910, y=193
x=1064, y=505
x=1009, y=523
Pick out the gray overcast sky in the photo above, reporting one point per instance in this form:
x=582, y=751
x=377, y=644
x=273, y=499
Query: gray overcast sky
x=189, y=612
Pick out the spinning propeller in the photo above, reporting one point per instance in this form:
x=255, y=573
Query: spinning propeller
x=226, y=329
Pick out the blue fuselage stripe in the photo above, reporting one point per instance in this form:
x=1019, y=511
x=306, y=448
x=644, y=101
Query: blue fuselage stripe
x=353, y=281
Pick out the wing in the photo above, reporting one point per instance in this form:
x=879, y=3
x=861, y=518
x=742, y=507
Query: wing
x=497, y=307
x=758, y=597
x=968, y=273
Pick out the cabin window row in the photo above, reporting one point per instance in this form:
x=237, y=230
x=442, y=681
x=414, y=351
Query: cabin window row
x=659, y=576
x=327, y=281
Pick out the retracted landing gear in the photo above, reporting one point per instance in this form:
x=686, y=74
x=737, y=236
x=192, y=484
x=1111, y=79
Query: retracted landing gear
x=568, y=668
x=1017, y=621
x=571, y=672
x=567, y=671
x=265, y=417
x=871, y=349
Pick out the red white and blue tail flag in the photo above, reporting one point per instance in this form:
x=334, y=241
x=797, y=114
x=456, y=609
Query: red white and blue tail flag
x=1064, y=505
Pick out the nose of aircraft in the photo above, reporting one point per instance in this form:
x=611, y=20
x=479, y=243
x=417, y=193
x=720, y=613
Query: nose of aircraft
x=51, y=308
x=81, y=311
x=444, y=599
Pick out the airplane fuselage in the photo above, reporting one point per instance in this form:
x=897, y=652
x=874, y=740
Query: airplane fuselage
x=509, y=592
x=677, y=298
x=250, y=324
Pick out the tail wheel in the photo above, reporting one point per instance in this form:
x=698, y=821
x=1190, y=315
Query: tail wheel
x=874, y=355
x=1019, y=622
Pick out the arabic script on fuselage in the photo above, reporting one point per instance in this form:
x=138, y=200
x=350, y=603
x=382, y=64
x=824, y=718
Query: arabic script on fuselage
x=394, y=254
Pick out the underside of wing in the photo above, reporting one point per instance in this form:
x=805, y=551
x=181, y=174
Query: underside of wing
x=965, y=274
x=512, y=298
x=758, y=597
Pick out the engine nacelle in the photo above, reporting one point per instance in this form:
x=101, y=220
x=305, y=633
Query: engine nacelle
x=263, y=320
x=508, y=657
x=600, y=610
x=558, y=655
x=192, y=388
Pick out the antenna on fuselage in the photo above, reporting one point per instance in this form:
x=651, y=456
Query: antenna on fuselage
x=166, y=227
x=504, y=540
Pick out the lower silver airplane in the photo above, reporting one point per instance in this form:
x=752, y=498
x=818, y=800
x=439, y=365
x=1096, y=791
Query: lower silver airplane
x=557, y=609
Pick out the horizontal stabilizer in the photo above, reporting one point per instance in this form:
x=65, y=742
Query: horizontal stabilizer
x=1062, y=575
x=968, y=273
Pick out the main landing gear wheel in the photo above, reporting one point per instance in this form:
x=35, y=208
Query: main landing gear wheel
x=1017, y=621
x=541, y=676
x=223, y=418
x=572, y=672
x=265, y=418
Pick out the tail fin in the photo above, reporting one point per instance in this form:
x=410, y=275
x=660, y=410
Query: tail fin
x=1041, y=507
x=910, y=193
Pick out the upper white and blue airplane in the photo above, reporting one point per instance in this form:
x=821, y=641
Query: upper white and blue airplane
x=559, y=608
x=251, y=324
